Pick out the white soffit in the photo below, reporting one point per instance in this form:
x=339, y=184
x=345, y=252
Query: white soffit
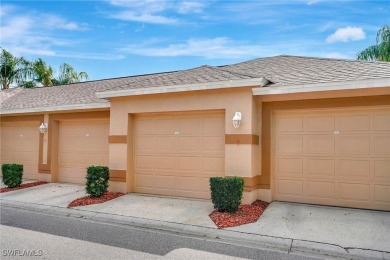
x=185, y=87
x=55, y=108
x=328, y=86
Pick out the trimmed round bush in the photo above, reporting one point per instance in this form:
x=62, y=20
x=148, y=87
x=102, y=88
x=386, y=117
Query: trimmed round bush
x=226, y=193
x=97, y=180
x=12, y=174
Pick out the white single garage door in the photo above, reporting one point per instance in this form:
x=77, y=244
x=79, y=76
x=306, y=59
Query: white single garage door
x=81, y=144
x=333, y=157
x=20, y=144
x=176, y=154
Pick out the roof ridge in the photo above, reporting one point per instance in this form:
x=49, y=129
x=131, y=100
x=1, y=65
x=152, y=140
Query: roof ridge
x=237, y=72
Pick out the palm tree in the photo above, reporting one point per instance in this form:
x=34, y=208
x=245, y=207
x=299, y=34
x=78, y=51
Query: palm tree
x=43, y=73
x=13, y=69
x=68, y=74
x=380, y=51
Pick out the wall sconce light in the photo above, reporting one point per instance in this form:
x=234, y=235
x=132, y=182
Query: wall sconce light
x=237, y=119
x=43, y=128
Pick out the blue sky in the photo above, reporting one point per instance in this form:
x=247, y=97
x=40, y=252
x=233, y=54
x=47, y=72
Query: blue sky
x=116, y=38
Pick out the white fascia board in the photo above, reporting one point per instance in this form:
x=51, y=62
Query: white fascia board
x=329, y=86
x=55, y=108
x=181, y=88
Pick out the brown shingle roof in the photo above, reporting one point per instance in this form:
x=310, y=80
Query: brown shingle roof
x=294, y=70
x=280, y=70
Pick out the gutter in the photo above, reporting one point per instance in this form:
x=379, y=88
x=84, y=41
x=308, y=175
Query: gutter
x=55, y=108
x=185, y=87
x=329, y=86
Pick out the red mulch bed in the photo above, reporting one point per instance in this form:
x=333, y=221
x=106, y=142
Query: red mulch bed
x=23, y=186
x=89, y=200
x=244, y=215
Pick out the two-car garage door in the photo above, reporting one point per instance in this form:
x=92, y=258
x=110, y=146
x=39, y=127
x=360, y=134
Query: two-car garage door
x=333, y=157
x=176, y=154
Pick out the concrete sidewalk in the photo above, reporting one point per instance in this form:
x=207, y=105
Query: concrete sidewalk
x=289, y=227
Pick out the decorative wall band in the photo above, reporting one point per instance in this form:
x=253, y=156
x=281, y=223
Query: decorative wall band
x=118, y=175
x=117, y=139
x=242, y=139
x=254, y=183
x=44, y=168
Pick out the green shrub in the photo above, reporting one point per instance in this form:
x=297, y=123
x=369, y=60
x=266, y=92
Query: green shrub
x=97, y=180
x=12, y=174
x=226, y=193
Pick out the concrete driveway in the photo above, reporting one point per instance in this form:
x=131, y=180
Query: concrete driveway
x=349, y=228
x=51, y=194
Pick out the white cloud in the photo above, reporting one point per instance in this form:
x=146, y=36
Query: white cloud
x=26, y=33
x=145, y=18
x=220, y=47
x=154, y=11
x=190, y=7
x=346, y=34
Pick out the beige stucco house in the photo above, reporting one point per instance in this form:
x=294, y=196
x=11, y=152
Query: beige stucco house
x=312, y=130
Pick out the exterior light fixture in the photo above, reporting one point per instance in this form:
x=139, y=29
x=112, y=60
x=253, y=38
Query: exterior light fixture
x=237, y=119
x=43, y=128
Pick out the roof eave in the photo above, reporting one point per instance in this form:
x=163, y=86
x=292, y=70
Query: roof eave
x=55, y=108
x=328, y=86
x=183, y=88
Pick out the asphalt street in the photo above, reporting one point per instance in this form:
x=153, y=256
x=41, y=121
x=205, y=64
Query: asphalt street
x=90, y=234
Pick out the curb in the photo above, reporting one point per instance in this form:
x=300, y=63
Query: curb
x=286, y=245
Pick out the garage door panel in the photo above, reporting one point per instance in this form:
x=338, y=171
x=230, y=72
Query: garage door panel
x=320, y=189
x=165, y=182
x=382, y=146
x=213, y=166
x=145, y=143
x=166, y=162
x=345, y=166
x=354, y=191
x=320, y=123
x=381, y=122
x=190, y=125
x=354, y=123
x=144, y=162
x=289, y=124
x=192, y=144
x=382, y=169
x=289, y=166
x=165, y=144
x=320, y=167
x=319, y=144
x=290, y=187
x=354, y=145
x=213, y=144
x=186, y=149
x=166, y=126
x=80, y=145
x=190, y=163
x=382, y=193
x=213, y=125
x=289, y=144
x=354, y=168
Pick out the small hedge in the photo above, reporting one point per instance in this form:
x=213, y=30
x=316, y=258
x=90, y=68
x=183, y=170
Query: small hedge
x=97, y=180
x=12, y=174
x=226, y=193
